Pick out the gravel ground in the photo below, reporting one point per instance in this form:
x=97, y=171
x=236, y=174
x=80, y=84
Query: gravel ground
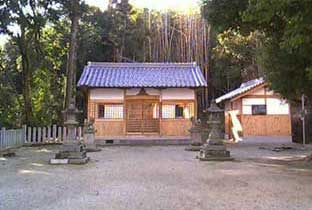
x=156, y=178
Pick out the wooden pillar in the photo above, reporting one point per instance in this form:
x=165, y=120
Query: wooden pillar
x=125, y=112
x=160, y=112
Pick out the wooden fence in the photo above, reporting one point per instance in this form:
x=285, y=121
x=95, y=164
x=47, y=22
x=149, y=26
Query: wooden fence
x=11, y=138
x=47, y=135
x=35, y=136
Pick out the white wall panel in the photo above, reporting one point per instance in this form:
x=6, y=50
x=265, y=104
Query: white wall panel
x=274, y=105
x=106, y=94
x=277, y=106
x=178, y=93
x=135, y=91
x=247, y=109
x=118, y=94
x=253, y=101
x=248, y=102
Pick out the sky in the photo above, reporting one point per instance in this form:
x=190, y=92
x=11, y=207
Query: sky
x=179, y=5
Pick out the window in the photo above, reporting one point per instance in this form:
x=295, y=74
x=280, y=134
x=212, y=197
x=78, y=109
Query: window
x=189, y=111
x=177, y=111
x=110, y=111
x=259, y=109
x=155, y=111
x=168, y=111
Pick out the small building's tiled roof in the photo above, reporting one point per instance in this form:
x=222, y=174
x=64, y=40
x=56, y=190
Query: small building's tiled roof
x=242, y=89
x=98, y=74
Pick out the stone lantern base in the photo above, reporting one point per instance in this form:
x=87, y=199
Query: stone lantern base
x=196, y=136
x=196, y=141
x=214, y=149
x=89, y=137
x=74, y=153
x=214, y=152
x=71, y=153
x=89, y=142
x=193, y=147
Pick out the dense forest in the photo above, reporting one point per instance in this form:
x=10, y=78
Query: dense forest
x=35, y=93
x=232, y=41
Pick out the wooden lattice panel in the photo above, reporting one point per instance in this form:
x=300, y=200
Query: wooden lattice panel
x=140, y=117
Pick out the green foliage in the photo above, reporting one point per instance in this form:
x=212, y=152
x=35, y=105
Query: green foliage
x=234, y=60
x=10, y=100
x=49, y=77
x=284, y=50
x=23, y=21
x=235, y=48
x=224, y=14
x=285, y=70
x=47, y=84
x=286, y=53
x=37, y=51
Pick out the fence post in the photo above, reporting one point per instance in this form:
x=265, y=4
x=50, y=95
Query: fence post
x=2, y=138
x=59, y=133
x=44, y=134
x=22, y=137
x=14, y=134
x=34, y=136
x=6, y=137
x=39, y=134
x=54, y=132
x=29, y=135
x=49, y=133
x=24, y=132
x=64, y=133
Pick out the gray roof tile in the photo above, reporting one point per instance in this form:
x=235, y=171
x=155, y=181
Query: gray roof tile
x=101, y=74
x=242, y=89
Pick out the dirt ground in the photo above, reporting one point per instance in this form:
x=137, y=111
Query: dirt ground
x=159, y=178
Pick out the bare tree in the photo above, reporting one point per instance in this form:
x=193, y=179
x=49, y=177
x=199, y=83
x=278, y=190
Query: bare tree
x=74, y=8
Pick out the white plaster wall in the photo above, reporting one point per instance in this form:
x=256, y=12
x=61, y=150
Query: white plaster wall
x=277, y=106
x=106, y=94
x=149, y=91
x=177, y=94
x=248, y=102
x=253, y=101
x=166, y=94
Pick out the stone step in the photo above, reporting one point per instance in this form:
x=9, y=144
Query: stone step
x=118, y=142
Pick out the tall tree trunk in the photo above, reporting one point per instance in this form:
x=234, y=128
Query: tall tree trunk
x=27, y=77
x=209, y=66
x=72, y=58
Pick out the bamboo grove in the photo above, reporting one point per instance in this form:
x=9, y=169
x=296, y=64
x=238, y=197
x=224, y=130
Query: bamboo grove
x=170, y=37
x=36, y=93
x=121, y=33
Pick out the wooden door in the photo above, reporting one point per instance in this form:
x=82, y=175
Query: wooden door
x=141, y=116
x=150, y=122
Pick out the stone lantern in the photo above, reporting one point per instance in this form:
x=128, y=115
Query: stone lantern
x=72, y=151
x=214, y=149
x=88, y=136
x=196, y=139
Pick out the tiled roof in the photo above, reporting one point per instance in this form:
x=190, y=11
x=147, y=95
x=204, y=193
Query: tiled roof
x=242, y=89
x=142, y=75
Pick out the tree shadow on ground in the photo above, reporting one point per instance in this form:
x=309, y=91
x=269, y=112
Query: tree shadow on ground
x=295, y=163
